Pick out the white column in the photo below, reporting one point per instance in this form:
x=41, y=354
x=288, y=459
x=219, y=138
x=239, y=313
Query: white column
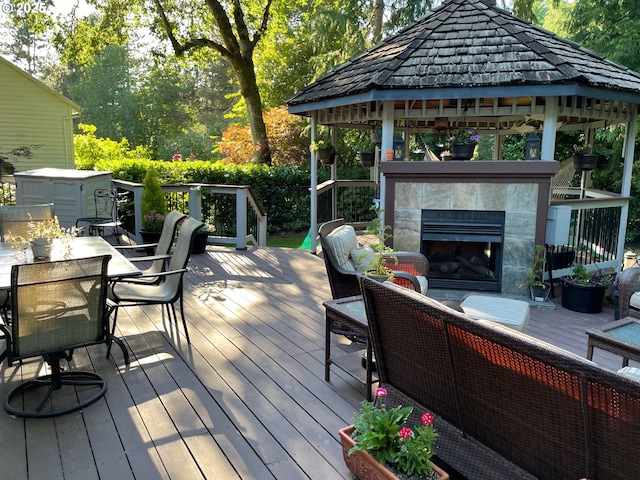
x=627, y=152
x=313, y=221
x=548, y=151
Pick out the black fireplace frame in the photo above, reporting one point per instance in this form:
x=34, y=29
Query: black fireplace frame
x=474, y=226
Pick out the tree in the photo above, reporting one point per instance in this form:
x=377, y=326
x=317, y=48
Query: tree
x=234, y=36
x=105, y=91
x=26, y=33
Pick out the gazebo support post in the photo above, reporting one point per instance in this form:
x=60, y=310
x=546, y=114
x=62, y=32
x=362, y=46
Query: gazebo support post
x=548, y=150
x=628, y=151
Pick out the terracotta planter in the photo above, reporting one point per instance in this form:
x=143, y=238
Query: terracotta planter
x=462, y=151
x=364, y=466
x=389, y=155
x=584, y=162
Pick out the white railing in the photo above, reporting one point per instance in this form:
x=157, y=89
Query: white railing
x=245, y=202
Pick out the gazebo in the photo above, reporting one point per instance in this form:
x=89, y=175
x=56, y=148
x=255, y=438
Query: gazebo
x=471, y=65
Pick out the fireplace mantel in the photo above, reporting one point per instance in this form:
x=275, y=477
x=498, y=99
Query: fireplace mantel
x=520, y=189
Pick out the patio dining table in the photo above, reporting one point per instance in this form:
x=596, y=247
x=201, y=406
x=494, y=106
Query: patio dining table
x=80, y=247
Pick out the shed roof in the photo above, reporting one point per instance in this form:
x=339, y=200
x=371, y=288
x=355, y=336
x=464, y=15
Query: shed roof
x=472, y=45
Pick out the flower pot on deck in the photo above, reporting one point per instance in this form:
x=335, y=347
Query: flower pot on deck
x=583, y=298
x=366, y=467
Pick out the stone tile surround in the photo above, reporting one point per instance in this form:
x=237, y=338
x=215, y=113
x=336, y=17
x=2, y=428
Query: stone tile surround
x=440, y=186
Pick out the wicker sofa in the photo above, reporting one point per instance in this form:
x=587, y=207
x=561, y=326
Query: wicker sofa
x=507, y=406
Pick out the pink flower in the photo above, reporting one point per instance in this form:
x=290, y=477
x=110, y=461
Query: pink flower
x=192, y=156
x=381, y=392
x=405, y=432
x=427, y=418
x=177, y=156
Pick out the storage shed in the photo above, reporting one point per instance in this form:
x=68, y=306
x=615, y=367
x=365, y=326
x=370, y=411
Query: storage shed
x=36, y=122
x=71, y=191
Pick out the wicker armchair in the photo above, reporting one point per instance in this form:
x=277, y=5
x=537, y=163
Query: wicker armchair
x=57, y=307
x=628, y=284
x=344, y=281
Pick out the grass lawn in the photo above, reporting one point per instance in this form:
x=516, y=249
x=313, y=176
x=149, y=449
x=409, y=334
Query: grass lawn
x=292, y=240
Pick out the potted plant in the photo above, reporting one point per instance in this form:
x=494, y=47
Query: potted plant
x=584, y=159
x=41, y=234
x=463, y=144
x=325, y=151
x=375, y=260
x=153, y=207
x=367, y=153
x=538, y=289
x=380, y=445
x=201, y=237
x=584, y=291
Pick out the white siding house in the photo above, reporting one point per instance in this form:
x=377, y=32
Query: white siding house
x=36, y=128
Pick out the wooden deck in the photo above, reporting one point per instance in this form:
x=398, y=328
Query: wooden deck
x=247, y=399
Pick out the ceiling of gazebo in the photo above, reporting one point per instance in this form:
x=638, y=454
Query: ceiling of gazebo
x=468, y=63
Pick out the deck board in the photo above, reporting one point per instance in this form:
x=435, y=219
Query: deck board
x=245, y=400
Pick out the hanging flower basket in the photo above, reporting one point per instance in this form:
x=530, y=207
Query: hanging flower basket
x=327, y=156
x=585, y=162
x=462, y=151
x=367, y=159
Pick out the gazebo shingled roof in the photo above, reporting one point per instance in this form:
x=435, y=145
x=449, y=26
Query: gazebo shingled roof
x=469, y=44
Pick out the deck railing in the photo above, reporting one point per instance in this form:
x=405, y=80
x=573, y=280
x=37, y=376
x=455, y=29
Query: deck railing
x=233, y=210
x=348, y=199
x=594, y=232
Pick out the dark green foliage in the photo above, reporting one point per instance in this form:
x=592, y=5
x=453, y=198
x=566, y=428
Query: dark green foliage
x=283, y=192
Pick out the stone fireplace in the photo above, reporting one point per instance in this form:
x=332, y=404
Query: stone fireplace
x=519, y=191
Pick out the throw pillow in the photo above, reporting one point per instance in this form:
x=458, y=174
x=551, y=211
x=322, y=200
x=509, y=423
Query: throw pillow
x=362, y=258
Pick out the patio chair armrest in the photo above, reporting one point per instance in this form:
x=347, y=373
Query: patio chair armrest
x=149, y=258
x=135, y=247
x=162, y=274
x=407, y=280
x=628, y=284
x=411, y=262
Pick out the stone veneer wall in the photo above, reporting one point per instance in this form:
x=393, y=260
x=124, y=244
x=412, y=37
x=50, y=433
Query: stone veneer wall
x=520, y=189
x=517, y=200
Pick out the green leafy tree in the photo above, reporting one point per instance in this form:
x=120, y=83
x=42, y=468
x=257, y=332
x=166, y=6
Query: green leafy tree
x=26, y=32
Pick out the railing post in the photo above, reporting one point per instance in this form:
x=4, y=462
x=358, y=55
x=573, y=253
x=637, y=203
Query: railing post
x=195, y=203
x=137, y=210
x=241, y=219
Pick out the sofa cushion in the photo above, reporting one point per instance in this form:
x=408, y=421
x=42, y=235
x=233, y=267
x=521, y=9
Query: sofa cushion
x=634, y=301
x=362, y=258
x=341, y=241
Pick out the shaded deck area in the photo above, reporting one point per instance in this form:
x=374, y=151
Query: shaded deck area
x=246, y=399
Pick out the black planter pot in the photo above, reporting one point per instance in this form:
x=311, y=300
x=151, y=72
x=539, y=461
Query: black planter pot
x=462, y=151
x=200, y=242
x=150, y=237
x=367, y=159
x=327, y=156
x=583, y=298
x=584, y=162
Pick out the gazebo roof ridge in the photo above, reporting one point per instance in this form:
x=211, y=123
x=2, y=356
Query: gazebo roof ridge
x=470, y=44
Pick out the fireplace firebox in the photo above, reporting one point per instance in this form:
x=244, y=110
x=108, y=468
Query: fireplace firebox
x=464, y=248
